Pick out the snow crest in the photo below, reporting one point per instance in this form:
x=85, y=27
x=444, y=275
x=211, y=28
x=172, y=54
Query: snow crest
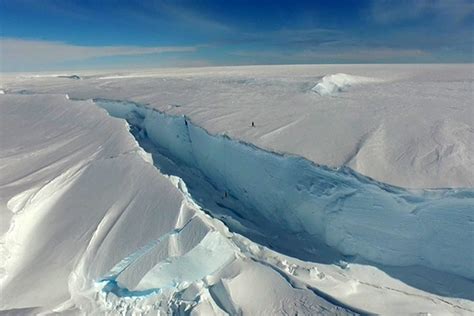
x=331, y=84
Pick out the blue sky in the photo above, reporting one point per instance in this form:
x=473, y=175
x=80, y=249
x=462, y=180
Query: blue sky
x=66, y=34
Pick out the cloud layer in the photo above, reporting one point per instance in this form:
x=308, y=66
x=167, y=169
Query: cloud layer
x=20, y=52
x=448, y=11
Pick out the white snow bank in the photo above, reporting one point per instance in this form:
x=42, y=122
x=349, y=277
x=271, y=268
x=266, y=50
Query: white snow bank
x=444, y=151
x=331, y=84
x=71, y=198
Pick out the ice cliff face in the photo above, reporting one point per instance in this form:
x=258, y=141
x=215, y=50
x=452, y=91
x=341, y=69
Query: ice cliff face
x=349, y=212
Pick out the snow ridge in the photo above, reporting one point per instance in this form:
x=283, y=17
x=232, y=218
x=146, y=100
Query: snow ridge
x=331, y=84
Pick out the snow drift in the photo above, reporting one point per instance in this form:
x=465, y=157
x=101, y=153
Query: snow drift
x=331, y=84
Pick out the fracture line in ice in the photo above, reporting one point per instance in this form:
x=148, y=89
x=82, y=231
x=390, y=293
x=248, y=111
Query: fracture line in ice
x=350, y=212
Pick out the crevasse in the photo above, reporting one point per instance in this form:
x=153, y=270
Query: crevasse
x=351, y=213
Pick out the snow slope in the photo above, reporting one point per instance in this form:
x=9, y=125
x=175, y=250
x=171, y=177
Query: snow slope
x=162, y=216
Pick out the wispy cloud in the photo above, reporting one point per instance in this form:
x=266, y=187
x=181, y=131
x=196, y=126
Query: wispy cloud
x=178, y=13
x=192, y=17
x=14, y=52
x=450, y=11
x=356, y=55
x=285, y=37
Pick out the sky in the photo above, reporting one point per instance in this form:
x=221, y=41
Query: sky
x=43, y=35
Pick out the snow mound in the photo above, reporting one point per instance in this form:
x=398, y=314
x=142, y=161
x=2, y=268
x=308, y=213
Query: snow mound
x=331, y=84
x=443, y=151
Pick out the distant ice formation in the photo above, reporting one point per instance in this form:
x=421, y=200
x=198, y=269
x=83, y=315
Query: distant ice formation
x=331, y=84
x=75, y=77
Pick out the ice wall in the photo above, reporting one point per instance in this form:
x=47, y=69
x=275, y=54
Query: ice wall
x=352, y=213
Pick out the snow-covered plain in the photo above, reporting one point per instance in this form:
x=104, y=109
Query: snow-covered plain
x=352, y=194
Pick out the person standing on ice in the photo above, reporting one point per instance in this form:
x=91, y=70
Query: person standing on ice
x=253, y=124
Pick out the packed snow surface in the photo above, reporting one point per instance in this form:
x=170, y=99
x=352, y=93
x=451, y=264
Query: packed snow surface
x=151, y=193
